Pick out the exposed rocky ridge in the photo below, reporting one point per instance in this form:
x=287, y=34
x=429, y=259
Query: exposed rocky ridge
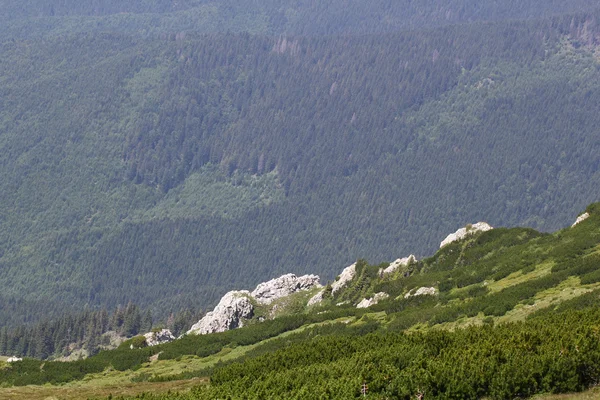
x=236, y=306
x=365, y=303
x=267, y=292
x=422, y=291
x=401, y=262
x=160, y=337
x=581, y=218
x=316, y=299
x=345, y=277
x=464, y=232
x=230, y=313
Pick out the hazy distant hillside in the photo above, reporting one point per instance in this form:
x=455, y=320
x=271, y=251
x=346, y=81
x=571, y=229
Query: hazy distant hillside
x=165, y=171
x=274, y=17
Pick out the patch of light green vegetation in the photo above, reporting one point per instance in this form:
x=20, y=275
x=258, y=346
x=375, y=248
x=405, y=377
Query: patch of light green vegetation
x=166, y=368
x=210, y=192
x=519, y=277
x=566, y=290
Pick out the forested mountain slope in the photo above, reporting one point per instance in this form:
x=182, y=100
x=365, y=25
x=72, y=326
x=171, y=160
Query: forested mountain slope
x=165, y=171
x=42, y=18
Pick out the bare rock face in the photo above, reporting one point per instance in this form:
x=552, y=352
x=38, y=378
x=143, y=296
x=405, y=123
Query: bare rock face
x=422, y=291
x=267, y=292
x=346, y=276
x=14, y=359
x=581, y=218
x=365, y=303
x=464, y=232
x=160, y=337
x=228, y=314
x=401, y=262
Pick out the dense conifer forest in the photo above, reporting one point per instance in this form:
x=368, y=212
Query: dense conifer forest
x=168, y=166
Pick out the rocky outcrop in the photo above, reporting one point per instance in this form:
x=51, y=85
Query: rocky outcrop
x=230, y=313
x=464, y=232
x=581, y=218
x=267, y=292
x=236, y=306
x=345, y=277
x=160, y=337
x=422, y=291
x=13, y=359
x=316, y=299
x=365, y=303
x=401, y=262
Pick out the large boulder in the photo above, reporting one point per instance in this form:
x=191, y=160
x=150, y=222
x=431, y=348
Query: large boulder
x=345, y=277
x=464, y=232
x=581, y=218
x=401, y=262
x=365, y=303
x=267, y=292
x=230, y=313
x=422, y=291
x=160, y=337
x=316, y=299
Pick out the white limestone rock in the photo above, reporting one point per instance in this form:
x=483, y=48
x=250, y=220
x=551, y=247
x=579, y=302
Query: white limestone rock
x=267, y=292
x=365, y=303
x=401, y=262
x=160, y=337
x=581, y=218
x=346, y=276
x=230, y=313
x=422, y=291
x=464, y=232
x=14, y=359
x=316, y=299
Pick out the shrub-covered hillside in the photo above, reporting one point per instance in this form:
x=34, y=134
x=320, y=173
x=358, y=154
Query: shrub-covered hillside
x=514, y=313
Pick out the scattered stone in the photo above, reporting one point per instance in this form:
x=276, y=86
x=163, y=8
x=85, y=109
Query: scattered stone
x=401, y=262
x=422, y=291
x=346, y=276
x=160, y=337
x=14, y=359
x=365, y=303
x=581, y=218
x=464, y=232
x=230, y=313
x=267, y=292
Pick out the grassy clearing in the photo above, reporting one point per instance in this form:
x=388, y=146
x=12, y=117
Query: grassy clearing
x=519, y=277
x=89, y=391
x=566, y=290
x=591, y=394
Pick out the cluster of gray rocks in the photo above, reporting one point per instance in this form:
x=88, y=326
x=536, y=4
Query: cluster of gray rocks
x=237, y=307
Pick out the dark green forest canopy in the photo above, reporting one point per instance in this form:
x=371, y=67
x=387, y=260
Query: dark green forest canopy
x=166, y=171
x=39, y=18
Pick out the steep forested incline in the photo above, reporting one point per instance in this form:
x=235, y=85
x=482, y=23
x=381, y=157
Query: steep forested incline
x=165, y=171
x=43, y=18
